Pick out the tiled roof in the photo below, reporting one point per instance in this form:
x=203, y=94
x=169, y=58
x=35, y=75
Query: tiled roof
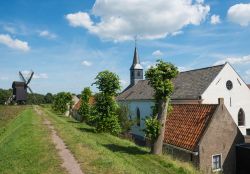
x=186, y=123
x=187, y=85
x=78, y=104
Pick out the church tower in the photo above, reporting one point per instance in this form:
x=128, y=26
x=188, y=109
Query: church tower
x=136, y=70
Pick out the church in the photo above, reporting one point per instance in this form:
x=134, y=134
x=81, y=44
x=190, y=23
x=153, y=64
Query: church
x=198, y=86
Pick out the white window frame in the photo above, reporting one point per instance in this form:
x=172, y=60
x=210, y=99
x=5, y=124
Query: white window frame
x=220, y=169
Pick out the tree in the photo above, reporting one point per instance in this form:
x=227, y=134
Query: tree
x=84, y=109
x=4, y=95
x=61, y=102
x=106, y=119
x=48, y=98
x=159, y=78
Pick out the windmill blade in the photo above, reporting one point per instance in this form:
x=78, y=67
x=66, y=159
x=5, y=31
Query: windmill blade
x=30, y=78
x=30, y=90
x=21, y=76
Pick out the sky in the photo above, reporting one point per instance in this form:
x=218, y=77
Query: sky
x=66, y=43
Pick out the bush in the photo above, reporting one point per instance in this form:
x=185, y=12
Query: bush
x=61, y=102
x=85, y=107
x=123, y=116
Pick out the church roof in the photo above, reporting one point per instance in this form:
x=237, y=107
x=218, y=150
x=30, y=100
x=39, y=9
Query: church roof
x=188, y=85
x=186, y=124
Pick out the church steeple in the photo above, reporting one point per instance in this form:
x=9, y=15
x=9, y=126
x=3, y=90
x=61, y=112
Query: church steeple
x=136, y=70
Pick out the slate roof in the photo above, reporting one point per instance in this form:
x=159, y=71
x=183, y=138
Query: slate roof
x=186, y=124
x=187, y=85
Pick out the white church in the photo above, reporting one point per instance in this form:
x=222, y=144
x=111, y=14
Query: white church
x=198, y=86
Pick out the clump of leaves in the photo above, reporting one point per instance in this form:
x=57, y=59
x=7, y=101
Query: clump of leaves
x=62, y=102
x=106, y=119
x=85, y=107
x=123, y=116
x=152, y=128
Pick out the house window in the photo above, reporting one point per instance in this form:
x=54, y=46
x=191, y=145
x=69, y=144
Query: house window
x=216, y=163
x=138, y=117
x=241, y=117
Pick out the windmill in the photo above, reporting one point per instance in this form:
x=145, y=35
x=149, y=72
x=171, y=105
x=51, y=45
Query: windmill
x=20, y=88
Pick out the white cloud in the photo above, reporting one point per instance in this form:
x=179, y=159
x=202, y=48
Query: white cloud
x=120, y=20
x=47, y=34
x=240, y=14
x=14, y=43
x=215, y=19
x=86, y=63
x=157, y=53
x=235, y=60
x=123, y=82
x=148, y=64
x=177, y=33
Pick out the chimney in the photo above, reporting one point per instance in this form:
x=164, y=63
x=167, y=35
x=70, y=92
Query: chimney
x=220, y=101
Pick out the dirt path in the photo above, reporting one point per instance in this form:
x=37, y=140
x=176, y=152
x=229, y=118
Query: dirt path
x=69, y=162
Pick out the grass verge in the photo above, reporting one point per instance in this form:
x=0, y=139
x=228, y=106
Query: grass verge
x=104, y=153
x=26, y=147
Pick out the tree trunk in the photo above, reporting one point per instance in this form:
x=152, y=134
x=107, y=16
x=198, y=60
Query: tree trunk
x=162, y=115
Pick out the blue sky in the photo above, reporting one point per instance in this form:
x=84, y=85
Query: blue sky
x=67, y=42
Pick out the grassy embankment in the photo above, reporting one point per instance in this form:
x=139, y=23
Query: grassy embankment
x=25, y=144
x=104, y=153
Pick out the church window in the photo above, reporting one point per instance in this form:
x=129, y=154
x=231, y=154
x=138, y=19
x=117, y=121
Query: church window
x=241, y=117
x=229, y=85
x=138, y=73
x=138, y=117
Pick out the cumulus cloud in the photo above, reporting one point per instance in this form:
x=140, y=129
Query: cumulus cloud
x=215, y=19
x=47, y=34
x=240, y=14
x=86, y=63
x=14, y=43
x=157, y=53
x=120, y=20
x=235, y=60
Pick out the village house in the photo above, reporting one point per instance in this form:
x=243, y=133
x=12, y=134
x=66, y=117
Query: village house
x=194, y=133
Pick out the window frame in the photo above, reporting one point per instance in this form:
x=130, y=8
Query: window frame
x=138, y=117
x=217, y=169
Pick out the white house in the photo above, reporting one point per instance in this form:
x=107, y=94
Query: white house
x=202, y=86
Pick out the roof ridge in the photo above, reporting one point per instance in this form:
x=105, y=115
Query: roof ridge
x=203, y=68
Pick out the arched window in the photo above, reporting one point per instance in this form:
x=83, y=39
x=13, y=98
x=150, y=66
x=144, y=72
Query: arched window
x=138, y=117
x=138, y=73
x=241, y=117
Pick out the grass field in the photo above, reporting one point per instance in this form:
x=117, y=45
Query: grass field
x=104, y=153
x=25, y=145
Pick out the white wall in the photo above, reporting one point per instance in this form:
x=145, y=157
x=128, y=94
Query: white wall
x=239, y=94
x=145, y=110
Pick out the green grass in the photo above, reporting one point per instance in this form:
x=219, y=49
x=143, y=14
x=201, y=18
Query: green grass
x=25, y=145
x=104, y=153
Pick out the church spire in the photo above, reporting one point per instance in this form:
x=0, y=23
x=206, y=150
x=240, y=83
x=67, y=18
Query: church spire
x=136, y=70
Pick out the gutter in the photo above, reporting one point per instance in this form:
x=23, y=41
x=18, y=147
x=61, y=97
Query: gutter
x=182, y=149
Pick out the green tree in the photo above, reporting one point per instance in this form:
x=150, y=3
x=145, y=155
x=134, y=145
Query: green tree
x=106, y=119
x=48, y=98
x=61, y=102
x=4, y=95
x=160, y=78
x=123, y=116
x=84, y=109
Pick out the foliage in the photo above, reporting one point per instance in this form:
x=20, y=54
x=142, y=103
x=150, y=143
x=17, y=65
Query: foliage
x=105, y=107
x=160, y=78
x=123, y=116
x=152, y=128
x=108, y=83
x=48, y=98
x=61, y=102
x=106, y=119
x=4, y=95
x=85, y=107
x=35, y=99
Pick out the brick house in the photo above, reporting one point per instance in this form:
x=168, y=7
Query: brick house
x=203, y=134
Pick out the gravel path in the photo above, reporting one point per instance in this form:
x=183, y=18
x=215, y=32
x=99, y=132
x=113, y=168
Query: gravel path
x=69, y=161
